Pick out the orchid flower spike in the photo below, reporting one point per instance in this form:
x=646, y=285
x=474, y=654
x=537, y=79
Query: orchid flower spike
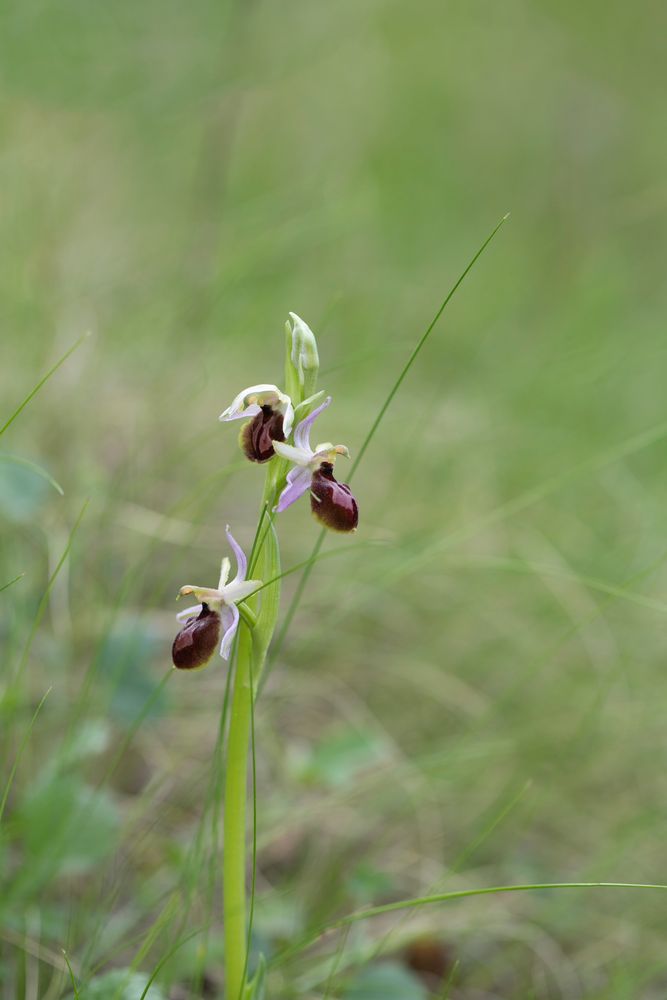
x=195, y=644
x=272, y=418
x=331, y=502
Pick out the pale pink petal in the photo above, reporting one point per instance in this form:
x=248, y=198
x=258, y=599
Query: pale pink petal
x=188, y=613
x=250, y=411
x=298, y=483
x=302, y=432
x=230, y=622
x=241, y=561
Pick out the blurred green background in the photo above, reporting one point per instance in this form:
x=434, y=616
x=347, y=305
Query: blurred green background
x=474, y=693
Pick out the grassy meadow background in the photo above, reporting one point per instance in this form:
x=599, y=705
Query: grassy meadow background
x=474, y=692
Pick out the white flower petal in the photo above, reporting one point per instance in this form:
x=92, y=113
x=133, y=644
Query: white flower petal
x=288, y=417
x=239, y=590
x=188, y=613
x=238, y=409
x=250, y=411
x=225, y=570
x=297, y=455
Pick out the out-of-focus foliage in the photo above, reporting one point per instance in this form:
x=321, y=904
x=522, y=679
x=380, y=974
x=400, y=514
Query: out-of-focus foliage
x=477, y=696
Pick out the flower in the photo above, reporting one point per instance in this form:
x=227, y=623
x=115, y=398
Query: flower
x=273, y=416
x=331, y=502
x=196, y=642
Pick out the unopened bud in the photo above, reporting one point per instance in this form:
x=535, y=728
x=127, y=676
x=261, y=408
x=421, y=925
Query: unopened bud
x=304, y=357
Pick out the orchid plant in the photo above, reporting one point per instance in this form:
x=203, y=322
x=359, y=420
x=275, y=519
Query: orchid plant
x=240, y=616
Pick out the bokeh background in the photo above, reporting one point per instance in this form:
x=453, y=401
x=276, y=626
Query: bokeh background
x=473, y=693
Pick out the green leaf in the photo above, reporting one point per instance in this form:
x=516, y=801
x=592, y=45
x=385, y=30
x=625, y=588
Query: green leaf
x=388, y=981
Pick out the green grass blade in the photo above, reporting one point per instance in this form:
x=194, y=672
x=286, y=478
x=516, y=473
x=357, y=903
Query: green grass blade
x=42, y=381
x=45, y=596
x=444, y=897
x=71, y=975
x=16, y=579
x=420, y=344
x=165, y=958
x=19, y=754
x=298, y=594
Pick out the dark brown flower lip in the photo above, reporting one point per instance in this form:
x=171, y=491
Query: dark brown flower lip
x=333, y=503
x=257, y=435
x=197, y=641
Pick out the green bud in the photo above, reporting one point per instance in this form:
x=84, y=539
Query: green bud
x=303, y=361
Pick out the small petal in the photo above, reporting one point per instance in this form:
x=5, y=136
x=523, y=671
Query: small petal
x=230, y=622
x=288, y=417
x=250, y=411
x=238, y=409
x=225, y=570
x=186, y=613
x=207, y=595
x=298, y=483
x=328, y=452
x=302, y=432
x=241, y=561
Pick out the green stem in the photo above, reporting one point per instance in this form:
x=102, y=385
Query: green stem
x=234, y=862
x=234, y=851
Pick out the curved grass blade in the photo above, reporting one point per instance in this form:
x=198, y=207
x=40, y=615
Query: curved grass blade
x=45, y=596
x=37, y=469
x=42, y=381
x=71, y=975
x=417, y=349
x=444, y=897
x=298, y=594
x=165, y=958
